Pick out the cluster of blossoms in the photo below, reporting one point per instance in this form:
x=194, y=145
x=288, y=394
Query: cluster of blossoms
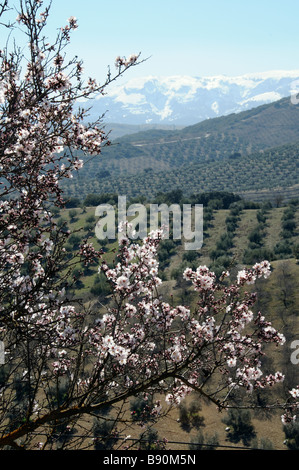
x=202, y=279
x=251, y=377
x=123, y=62
x=72, y=25
x=249, y=276
x=137, y=271
x=119, y=352
x=178, y=394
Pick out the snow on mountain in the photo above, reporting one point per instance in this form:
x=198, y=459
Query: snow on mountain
x=185, y=100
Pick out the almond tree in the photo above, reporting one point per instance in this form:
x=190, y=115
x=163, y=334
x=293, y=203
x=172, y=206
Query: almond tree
x=64, y=363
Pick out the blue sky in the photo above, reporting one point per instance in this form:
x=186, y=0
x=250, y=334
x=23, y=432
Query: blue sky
x=191, y=37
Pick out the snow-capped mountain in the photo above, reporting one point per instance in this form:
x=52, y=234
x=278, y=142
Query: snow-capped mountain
x=185, y=100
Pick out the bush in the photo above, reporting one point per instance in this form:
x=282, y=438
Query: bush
x=261, y=217
x=141, y=409
x=232, y=220
x=256, y=236
x=215, y=254
x=73, y=202
x=150, y=440
x=263, y=444
x=288, y=225
x=89, y=228
x=75, y=241
x=73, y=215
x=55, y=211
x=283, y=248
x=100, y=287
x=231, y=227
x=226, y=242
x=295, y=251
x=201, y=442
x=97, y=199
x=241, y=428
x=77, y=275
x=189, y=416
x=190, y=256
x=91, y=219
x=292, y=435
x=252, y=256
x=104, y=437
x=62, y=223
x=289, y=213
x=208, y=214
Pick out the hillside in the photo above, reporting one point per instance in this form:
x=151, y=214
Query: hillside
x=254, y=152
x=117, y=130
x=235, y=234
x=265, y=126
x=233, y=237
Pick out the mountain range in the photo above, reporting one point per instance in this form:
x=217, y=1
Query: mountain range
x=184, y=100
